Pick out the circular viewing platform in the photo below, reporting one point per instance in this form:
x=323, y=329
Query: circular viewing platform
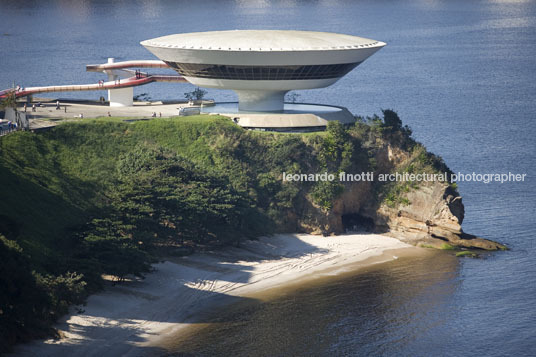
x=294, y=116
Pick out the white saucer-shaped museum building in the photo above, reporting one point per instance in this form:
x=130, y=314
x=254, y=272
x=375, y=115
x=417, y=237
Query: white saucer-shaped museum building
x=262, y=65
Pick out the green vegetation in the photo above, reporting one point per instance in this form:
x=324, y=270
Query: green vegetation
x=338, y=151
x=446, y=246
x=467, y=253
x=102, y=197
x=389, y=132
x=196, y=94
x=426, y=246
x=10, y=101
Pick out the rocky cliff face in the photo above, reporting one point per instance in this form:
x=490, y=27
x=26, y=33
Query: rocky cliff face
x=431, y=213
x=433, y=217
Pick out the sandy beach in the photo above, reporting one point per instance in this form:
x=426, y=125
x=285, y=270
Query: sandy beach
x=134, y=318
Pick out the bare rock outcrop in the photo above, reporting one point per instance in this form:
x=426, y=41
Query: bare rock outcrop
x=433, y=217
x=431, y=214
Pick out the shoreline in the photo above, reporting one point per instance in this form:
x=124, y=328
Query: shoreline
x=186, y=340
x=143, y=316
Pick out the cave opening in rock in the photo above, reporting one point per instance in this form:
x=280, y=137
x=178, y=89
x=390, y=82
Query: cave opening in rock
x=354, y=222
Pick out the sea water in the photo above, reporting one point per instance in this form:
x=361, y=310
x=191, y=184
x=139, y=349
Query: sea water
x=460, y=73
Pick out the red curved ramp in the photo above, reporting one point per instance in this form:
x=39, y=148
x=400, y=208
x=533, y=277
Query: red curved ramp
x=122, y=83
x=126, y=64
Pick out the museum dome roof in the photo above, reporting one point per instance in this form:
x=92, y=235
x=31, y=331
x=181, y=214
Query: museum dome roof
x=262, y=40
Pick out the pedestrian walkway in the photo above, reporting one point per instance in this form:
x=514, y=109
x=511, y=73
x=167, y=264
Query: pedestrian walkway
x=116, y=84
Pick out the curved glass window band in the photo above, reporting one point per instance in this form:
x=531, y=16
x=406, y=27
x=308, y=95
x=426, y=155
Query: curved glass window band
x=271, y=73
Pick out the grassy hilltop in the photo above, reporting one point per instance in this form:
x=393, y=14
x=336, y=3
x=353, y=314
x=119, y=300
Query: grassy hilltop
x=106, y=197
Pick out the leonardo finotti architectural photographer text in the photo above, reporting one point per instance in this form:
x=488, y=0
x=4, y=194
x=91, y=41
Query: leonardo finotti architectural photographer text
x=406, y=177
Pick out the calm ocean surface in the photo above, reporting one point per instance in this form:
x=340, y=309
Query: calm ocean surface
x=460, y=73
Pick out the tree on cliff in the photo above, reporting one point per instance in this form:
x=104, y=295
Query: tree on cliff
x=393, y=123
x=391, y=119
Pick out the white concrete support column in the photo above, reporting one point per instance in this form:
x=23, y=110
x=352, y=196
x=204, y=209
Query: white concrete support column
x=119, y=97
x=261, y=100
